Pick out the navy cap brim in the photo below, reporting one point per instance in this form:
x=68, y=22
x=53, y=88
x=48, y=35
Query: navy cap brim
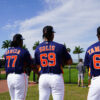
x=22, y=38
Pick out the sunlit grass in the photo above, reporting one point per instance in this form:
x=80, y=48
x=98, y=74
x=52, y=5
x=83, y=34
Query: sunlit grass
x=72, y=92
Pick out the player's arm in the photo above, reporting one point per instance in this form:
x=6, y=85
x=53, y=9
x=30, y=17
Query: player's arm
x=34, y=67
x=66, y=57
x=29, y=66
x=86, y=60
x=37, y=61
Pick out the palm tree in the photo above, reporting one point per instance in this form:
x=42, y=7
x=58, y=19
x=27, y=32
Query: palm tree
x=24, y=46
x=68, y=49
x=6, y=44
x=36, y=44
x=78, y=50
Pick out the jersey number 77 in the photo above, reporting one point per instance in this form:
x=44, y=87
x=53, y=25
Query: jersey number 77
x=11, y=59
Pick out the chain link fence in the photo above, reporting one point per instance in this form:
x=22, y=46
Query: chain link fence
x=70, y=74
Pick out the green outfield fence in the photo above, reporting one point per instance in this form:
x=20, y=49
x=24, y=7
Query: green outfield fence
x=70, y=75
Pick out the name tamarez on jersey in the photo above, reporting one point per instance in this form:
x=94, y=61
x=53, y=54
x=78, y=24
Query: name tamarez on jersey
x=92, y=59
x=49, y=56
x=15, y=59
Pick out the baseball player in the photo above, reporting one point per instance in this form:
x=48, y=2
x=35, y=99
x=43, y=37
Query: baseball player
x=49, y=57
x=92, y=60
x=17, y=60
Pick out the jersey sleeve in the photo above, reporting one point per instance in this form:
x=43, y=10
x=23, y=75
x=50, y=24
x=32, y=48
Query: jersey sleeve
x=36, y=60
x=86, y=60
x=28, y=58
x=66, y=55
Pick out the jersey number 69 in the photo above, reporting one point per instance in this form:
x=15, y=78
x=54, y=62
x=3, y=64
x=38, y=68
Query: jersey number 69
x=48, y=59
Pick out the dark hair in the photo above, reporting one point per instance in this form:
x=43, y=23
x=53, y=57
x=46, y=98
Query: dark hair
x=48, y=33
x=17, y=40
x=98, y=31
x=80, y=60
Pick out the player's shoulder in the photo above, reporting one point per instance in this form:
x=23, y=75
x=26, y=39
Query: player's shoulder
x=93, y=45
x=37, y=48
x=41, y=44
x=17, y=51
x=24, y=50
x=58, y=44
x=8, y=50
x=44, y=43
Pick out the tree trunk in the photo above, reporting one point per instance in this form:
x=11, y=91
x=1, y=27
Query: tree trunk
x=78, y=57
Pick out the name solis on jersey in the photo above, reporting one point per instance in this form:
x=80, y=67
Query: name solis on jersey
x=47, y=48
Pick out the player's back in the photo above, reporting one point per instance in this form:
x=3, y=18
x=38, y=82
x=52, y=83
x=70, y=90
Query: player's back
x=15, y=59
x=92, y=58
x=49, y=56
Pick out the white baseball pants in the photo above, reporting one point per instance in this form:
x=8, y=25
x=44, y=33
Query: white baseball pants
x=94, y=90
x=51, y=83
x=17, y=84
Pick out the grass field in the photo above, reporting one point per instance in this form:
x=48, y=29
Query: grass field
x=72, y=92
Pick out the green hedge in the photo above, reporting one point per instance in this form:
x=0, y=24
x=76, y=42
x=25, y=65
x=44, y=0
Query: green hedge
x=2, y=76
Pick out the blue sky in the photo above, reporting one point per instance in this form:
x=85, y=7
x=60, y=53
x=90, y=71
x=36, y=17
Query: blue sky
x=75, y=21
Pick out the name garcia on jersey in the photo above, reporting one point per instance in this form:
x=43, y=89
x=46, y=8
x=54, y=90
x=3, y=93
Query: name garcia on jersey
x=13, y=51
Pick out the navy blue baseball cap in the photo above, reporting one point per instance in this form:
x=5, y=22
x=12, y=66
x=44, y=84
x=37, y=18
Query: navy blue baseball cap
x=17, y=37
x=48, y=29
